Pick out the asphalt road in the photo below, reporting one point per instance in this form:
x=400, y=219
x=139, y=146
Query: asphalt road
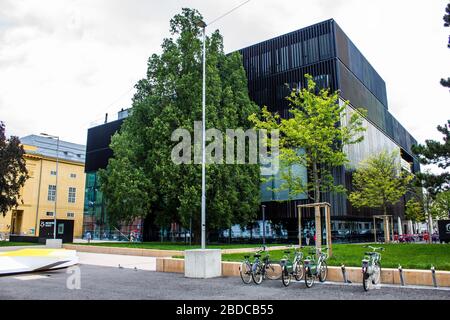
x=106, y=283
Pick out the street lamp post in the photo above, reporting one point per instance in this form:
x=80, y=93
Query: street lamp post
x=203, y=25
x=264, y=224
x=56, y=184
x=204, y=263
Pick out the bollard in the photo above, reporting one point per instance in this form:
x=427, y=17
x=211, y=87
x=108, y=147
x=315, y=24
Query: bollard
x=433, y=273
x=344, y=274
x=402, y=281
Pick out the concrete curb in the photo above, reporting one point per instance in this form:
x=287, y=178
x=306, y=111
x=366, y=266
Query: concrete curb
x=388, y=276
x=124, y=251
x=152, y=252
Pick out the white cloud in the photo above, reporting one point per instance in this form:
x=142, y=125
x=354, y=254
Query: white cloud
x=64, y=63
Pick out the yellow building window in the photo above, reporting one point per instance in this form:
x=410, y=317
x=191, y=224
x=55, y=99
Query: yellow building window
x=51, y=193
x=72, y=194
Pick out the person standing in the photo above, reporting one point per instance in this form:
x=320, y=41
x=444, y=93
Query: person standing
x=308, y=238
x=88, y=237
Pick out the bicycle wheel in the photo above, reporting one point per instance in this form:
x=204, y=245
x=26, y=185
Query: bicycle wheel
x=298, y=272
x=323, y=272
x=309, y=279
x=246, y=272
x=376, y=278
x=285, y=277
x=273, y=271
x=366, y=280
x=257, y=275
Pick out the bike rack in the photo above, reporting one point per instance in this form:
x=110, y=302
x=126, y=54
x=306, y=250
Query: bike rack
x=402, y=280
x=344, y=274
x=433, y=273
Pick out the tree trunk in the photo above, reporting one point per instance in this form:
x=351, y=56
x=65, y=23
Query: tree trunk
x=430, y=228
x=196, y=231
x=317, y=208
x=387, y=233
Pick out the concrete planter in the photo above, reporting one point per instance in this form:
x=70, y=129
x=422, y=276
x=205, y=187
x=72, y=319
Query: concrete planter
x=203, y=264
x=54, y=243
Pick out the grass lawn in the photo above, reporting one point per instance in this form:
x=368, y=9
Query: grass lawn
x=409, y=256
x=172, y=246
x=16, y=244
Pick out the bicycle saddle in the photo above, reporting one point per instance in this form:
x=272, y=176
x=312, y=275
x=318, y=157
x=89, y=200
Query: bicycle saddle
x=257, y=256
x=246, y=257
x=371, y=253
x=287, y=252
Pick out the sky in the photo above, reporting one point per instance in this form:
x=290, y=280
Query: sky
x=65, y=63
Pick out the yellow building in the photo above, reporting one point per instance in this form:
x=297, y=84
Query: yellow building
x=37, y=201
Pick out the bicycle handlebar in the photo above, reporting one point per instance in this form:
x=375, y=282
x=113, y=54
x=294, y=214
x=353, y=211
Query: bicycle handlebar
x=375, y=248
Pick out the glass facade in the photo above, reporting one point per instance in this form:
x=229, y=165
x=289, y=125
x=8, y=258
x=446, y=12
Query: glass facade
x=96, y=218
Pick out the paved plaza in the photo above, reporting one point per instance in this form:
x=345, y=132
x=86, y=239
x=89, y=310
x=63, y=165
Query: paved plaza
x=102, y=278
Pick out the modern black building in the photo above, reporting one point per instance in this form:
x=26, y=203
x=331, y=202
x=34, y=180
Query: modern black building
x=325, y=52
x=98, y=154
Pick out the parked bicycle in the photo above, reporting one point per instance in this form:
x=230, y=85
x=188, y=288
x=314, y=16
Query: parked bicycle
x=263, y=268
x=292, y=268
x=245, y=270
x=371, y=267
x=316, y=267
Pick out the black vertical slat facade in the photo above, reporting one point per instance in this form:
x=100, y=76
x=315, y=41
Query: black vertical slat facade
x=326, y=53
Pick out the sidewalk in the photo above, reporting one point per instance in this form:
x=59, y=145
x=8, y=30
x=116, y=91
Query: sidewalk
x=112, y=260
x=4, y=249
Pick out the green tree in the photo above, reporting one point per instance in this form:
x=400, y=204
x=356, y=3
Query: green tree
x=446, y=82
x=379, y=182
x=312, y=137
x=142, y=180
x=438, y=154
x=13, y=171
x=415, y=211
x=441, y=206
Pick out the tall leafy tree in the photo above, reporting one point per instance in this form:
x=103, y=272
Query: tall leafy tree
x=415, y=211
x=435, y=153
x=379, y=182
x=13, y=171
x=446, y=82
x=142, y=180
x=424, y=207
x=441, y=206
x=313, y=137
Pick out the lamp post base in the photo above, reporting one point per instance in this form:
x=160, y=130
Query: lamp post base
x=202, y=264
x=53, y=243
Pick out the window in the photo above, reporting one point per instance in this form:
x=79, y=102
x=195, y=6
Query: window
x=311, y=51
x=325, y=46
x=49, y=214
x=322, y=81
x=73, y=175
x=297, y=55
x=72, y=195
x=282, y=57
x=70, y=215
x=60, y=229
x=53, y=173
x=51, y=193
x=266, y=63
